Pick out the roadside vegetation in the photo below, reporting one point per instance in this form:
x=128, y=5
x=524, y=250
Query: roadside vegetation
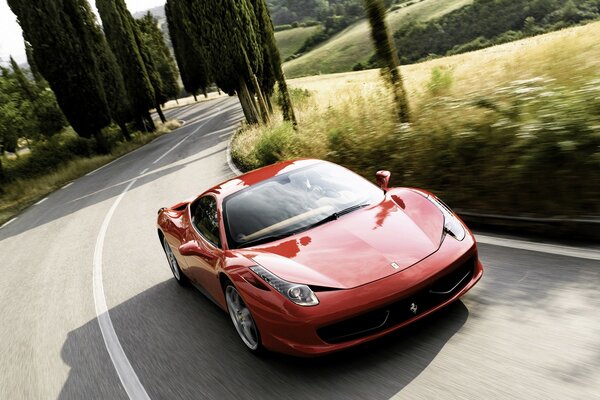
x=49, y=165
x=512, y=129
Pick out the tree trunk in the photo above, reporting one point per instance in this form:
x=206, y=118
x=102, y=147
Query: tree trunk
x=151, y=127
x=269, y=103
x=386, y=53
x=205, y=93
x=160, y=113
x=101, y=142
x=2, y=177
x=124, y=131
x=248, y=104
x=219, y=90
x=195, y=97
x=286, y=102
x=400, y=95
x=261, y=100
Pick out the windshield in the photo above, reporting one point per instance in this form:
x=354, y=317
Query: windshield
x=292, y=202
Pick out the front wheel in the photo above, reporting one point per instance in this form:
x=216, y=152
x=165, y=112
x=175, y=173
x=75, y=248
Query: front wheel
x=173, y=264
x=242, y=319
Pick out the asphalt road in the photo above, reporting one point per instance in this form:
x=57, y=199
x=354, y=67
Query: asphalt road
x=529, y=330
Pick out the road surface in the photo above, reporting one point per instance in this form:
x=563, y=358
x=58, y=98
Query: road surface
x=529, y=330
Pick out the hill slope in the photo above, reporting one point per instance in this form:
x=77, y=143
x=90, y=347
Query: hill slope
x=353, y=44
x=290, y=40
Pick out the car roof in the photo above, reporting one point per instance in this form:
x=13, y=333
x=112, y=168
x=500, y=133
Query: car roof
x=253, y=177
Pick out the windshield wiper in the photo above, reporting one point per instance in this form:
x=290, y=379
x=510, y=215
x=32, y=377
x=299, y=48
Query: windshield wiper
x=272, y=238
x=337, y=215
x=265, y=239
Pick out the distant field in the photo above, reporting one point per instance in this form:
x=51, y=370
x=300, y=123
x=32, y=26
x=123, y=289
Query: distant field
x=289, y=41
x=563, y=56
x=353, y=45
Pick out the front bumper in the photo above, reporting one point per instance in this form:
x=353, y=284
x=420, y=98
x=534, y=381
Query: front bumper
x=310, y=331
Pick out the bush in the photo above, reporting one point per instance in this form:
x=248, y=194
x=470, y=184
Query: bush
x=80, y=147
x=440, y=82
x=275, y=144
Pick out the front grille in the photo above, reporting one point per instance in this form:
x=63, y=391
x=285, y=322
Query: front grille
x=402, y=310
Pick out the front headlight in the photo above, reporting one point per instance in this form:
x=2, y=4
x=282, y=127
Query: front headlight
x=452, y=225
x=299, y=294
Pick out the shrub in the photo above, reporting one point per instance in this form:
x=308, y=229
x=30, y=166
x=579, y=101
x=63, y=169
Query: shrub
x=275, y=144
x=440, y=82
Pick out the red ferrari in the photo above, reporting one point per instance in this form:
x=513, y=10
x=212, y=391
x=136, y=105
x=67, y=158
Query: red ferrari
x=308, y=257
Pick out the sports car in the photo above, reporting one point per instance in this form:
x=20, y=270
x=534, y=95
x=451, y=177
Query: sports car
x=309, y=258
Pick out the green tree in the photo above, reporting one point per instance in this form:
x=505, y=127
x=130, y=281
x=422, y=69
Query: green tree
x=39, y=79
x=122, y=35
x=227, y=31
x=272, y=71
x=154, y=41
x=384, y=50
x=114, y=85
x=59, y=32
x=191, y=58
x=45, y=112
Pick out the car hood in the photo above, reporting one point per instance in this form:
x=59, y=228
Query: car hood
x=361, y=247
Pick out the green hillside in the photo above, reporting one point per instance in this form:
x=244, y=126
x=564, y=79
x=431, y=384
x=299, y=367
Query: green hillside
x=289, y=41
x=353, y=45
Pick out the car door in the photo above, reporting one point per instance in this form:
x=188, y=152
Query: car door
x=205, y=231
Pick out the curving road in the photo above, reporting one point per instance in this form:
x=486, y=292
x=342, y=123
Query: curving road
x=529, y=330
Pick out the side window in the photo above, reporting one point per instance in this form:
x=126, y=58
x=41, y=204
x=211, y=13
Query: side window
x=206, y=220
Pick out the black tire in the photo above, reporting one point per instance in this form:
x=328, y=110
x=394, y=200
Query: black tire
x=242, y=320
x=173, y=264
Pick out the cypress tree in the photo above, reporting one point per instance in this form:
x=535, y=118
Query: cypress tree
x=227, y=31
x=154, y=41
x=114, y=86
x=272, y=71
x=191, y=59
x=60, y=36
x=39, y=79
x=28, y=90
x=123, y=38
x=387, y=55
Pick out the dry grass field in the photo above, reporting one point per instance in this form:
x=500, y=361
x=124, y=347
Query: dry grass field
x=535, y=99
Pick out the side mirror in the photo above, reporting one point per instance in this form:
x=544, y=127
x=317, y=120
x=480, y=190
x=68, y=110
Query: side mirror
x=383, y=179
x=192, y=249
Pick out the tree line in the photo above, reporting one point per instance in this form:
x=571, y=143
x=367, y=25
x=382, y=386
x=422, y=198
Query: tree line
x=100, y=75
x=231, y=44
x=488, y=22
x=117, y=73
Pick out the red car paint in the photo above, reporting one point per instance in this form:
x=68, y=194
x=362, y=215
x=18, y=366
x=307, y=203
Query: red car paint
x=350, y=259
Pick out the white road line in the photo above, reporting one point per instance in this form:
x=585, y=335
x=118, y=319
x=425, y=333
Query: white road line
x=67, y=185
x=230, y=162
x=129, y=379
x=8, y=223
x=180, y=142
x=228, y=129
x=41, y=201
x=127, y=375
x=568, y=251
x=104, y=166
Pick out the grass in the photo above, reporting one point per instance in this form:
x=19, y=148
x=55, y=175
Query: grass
x=290, y=40
x=353, y=45
x=511, y=129
x=22, y=193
